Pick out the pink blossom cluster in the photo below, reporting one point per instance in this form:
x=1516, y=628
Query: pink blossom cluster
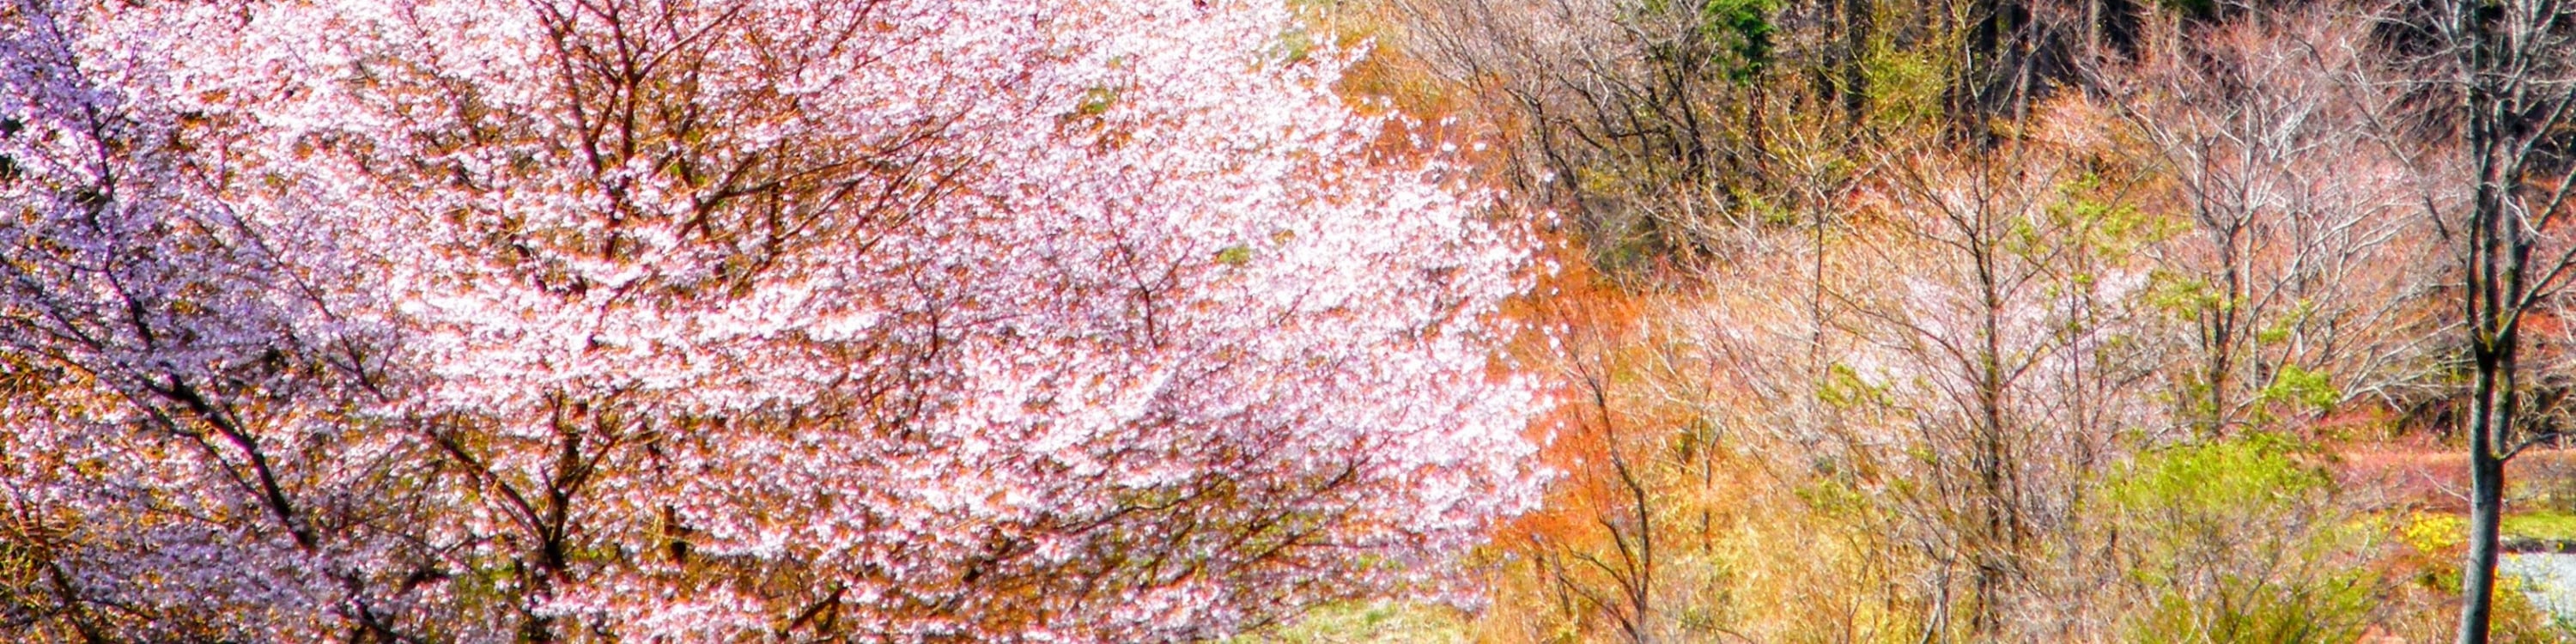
x=715, y=320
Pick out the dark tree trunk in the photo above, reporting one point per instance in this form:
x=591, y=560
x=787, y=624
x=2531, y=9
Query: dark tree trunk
x=1857, y=23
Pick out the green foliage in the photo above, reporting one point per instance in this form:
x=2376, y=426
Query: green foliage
x=1735, y=36
x=2318, y=610
x=2281, y=328
x=1095, y=102
x=1834, y=499
x=1743, y=28
x=2253, y=475
x=2559, y=526
x=1905, y=87
x=2297, y=385
x=2183, y=296
x=1295, y=46
x=2109, y=222
x=1234, y=255
x=1843, y=388
x=2229, y=540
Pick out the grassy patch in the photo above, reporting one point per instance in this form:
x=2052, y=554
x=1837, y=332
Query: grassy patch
x=2541, y=525
x=1385, y=622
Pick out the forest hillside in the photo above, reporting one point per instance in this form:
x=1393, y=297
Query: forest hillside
x=1885, y=320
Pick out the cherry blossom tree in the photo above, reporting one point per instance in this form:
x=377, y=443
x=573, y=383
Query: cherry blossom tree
x=575, y=320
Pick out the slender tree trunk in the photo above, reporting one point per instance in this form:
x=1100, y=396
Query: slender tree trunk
x=2486, y=509
x=1993, y=562
x=1857, y=21
x=2492, y=296
x=2490, y=413
x=2490, y=425
x=2496, y=289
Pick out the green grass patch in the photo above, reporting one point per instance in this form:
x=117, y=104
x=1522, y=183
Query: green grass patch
x=2541, y=525
x=1382, y=622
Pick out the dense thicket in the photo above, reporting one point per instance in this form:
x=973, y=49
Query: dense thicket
x=2023, y=321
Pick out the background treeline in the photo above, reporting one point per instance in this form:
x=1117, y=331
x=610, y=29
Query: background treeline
x=2006, y=320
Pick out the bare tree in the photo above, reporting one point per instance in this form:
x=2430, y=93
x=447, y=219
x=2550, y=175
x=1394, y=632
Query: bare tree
x=2299, y=273
x=2508, y=71
x=1996, y=323
x=1665, y=128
